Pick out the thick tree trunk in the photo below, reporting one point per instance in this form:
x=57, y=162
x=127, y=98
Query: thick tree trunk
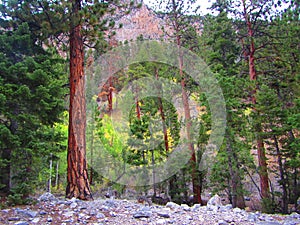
x=77, y=173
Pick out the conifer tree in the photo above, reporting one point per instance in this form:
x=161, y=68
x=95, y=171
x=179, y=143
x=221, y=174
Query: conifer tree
x=74, y=21
x=31, y=102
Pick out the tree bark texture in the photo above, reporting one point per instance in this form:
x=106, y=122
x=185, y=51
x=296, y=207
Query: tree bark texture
x=77, y=173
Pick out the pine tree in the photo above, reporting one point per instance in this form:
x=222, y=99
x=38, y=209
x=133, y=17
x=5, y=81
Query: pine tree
x=177, y=13
x=82, y=22
x=217, y=46
x=31, y=103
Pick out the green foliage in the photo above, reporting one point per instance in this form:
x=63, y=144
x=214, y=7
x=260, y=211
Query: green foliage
x=268, y=206
x=31, y=102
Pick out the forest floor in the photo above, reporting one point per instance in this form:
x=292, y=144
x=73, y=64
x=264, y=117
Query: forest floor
x=52, y=210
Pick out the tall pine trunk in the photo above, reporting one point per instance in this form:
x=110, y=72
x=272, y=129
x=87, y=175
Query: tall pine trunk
x=261, y=154
x=77, y=173
x=187, y=113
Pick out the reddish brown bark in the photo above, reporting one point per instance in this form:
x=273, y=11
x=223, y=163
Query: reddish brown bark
x=110, y=95
x=185, y=100
x=261, y=154
x=162, y=114
x=77, y=173
x=137, y=108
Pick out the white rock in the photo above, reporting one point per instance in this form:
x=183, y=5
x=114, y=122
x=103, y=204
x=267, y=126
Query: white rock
x=35, y=220
x=237, y=210
x=161, y=221
x=185, y=207
x=73, y=205
x=215, y=200
x=172, y=205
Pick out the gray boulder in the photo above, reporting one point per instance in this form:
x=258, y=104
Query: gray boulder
x=214, y=203
x=47, y=197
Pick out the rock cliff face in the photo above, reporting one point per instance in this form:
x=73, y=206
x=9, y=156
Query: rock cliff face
x=140, y=21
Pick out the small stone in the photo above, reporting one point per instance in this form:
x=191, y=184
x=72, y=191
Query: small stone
x=49, y=219
x=237, y=210
x=73, y=205
x=31, y=214
x=68, y=214
x=110, y=203
x=228, y=206
x=172, y=205
x=74, y=199
x=142, y=214
x=35, y=220
x=42, y=213
x=113, y=214
x=225, y=208
x=185, y=207
x=21, y=223
x=252, y=217
x=93, y=213
x=100, y=216
x=228, y=218
x=163, y=214
x=83, y=207
x=13, y=219
x=47, y=197
x=189, y=218
x=196, y=207
x=27, y=213
x=146, y=208
x=161, y=222
x=222, y=222
x=81, y=215
x=213, y=208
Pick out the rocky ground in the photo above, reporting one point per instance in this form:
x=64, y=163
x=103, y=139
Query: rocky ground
x=51, y=210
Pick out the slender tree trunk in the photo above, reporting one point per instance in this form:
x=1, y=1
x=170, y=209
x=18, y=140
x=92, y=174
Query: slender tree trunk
x=187, y=113
x=92, y=153
x=262, y=159
x=50, y=174
x=57, y=175
x=137, y=107
x=237, y=198
x=153, y=173
x=295, y=189
x=110, y=95
x=283, y=181
x=77, y=174
x=162, y=114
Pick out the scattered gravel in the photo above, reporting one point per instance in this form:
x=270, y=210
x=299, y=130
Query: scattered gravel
x=50, y=210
